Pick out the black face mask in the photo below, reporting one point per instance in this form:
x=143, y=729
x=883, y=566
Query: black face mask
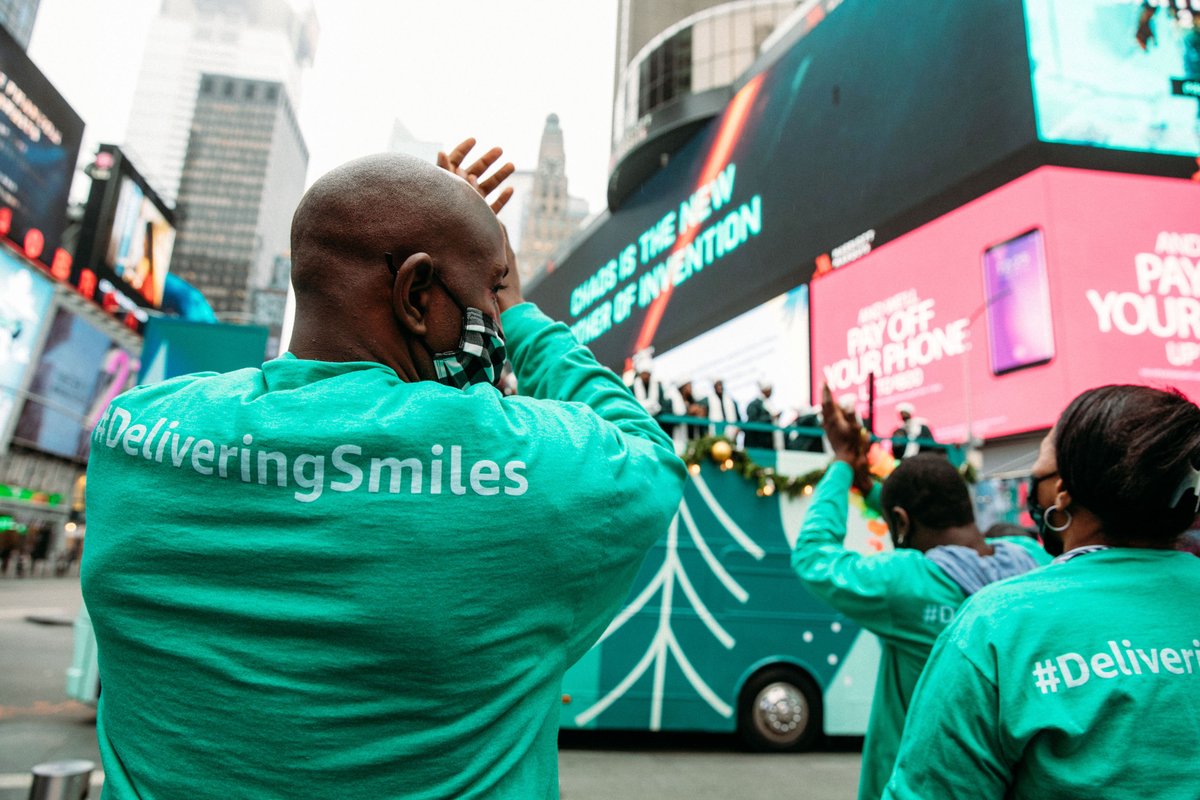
x=1051, y=540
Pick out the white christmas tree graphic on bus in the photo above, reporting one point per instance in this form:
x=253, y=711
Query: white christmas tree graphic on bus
x=665, y=645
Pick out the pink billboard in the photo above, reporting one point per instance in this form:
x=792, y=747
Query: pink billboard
x=998, y=313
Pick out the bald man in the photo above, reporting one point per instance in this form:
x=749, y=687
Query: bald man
x=360, y=571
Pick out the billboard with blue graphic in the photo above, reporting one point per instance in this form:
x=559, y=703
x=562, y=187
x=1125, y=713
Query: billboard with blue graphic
x=1120, y=74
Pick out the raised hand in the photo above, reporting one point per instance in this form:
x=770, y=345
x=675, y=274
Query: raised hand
x=842, y=430
x=473, y=174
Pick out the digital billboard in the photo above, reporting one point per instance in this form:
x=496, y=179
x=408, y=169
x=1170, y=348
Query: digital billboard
x=997, y=314
x=25, y=297
x=81, y=369
x=180, y=347
x=1122, y=74
x=808, y=155
x=140, y=243
x=39, y=143
x=126, y=240
x=1117, y=73
x=768, y=343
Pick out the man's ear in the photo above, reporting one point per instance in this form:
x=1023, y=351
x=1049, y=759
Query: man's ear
x=901, y=526
x=410, y=292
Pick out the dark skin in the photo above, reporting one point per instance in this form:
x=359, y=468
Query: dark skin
x=694, y=409
x=1084, y=527
x=849, y=444
x=444, y=238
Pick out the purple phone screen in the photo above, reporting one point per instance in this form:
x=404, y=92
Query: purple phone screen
x=1020, y=330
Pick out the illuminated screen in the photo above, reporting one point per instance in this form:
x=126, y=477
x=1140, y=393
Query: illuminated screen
x=139, y=248
x=769, y=342
x=808, y=155
x=25, y=297
x=126, y=239
x=80, y=371
x=39, y=144
x=1003, y=310
x=1095, y=84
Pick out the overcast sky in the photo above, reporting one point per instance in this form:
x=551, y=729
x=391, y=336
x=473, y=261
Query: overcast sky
x=447, y=68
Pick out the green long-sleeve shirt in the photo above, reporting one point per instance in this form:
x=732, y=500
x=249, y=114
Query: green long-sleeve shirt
x=313, y=579
x=902, y=596
x=1078, y=680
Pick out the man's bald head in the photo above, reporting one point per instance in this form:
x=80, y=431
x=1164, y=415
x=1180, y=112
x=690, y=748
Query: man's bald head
x=447, y=249
x=385, y=203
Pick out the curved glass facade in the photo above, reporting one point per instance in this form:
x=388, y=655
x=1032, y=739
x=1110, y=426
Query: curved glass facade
x=707, y=50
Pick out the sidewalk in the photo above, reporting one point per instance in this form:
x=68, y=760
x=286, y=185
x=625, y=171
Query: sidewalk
x=38, y=723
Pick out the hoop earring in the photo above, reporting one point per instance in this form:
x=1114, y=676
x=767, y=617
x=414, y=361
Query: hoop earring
x=1054, y=527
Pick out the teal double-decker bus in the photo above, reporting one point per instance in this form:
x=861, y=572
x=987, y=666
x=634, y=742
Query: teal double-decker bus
x=718, y=633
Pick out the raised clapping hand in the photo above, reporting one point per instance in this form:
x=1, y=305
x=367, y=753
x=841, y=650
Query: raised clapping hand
x=847, y=438
x=842, y=430
x=452, y=162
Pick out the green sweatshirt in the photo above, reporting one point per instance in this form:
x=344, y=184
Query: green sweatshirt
x=903, y=597
x=314, y=579
x=1078, y=680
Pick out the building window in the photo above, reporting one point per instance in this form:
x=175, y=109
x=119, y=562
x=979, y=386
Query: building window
x=666, y=72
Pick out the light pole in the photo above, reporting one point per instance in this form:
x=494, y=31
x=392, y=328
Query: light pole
x=971, y=445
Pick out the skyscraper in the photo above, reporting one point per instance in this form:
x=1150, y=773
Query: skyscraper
x=17, y=16
x=272, y=40
x=551, y=214
x=243, y=175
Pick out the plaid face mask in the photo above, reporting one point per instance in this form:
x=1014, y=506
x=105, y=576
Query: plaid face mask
x=479, y=356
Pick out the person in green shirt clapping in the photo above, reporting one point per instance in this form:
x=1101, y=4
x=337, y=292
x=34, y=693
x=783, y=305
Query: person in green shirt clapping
x=908, y=596
x=1080, y=679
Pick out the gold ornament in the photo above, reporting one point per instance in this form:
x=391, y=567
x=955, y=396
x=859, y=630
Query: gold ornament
x=722, y=450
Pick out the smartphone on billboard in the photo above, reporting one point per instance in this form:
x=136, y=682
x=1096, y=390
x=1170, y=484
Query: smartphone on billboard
x=1017, y=293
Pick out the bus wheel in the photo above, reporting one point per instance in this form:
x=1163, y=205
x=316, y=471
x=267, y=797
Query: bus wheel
x=779, y=710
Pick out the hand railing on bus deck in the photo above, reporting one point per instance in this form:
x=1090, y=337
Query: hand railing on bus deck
x=956, y=452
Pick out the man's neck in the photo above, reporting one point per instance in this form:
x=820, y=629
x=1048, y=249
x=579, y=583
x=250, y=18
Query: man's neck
x=314, y=343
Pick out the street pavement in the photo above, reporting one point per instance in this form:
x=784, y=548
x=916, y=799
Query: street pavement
x=37, y=721
x=38, y=724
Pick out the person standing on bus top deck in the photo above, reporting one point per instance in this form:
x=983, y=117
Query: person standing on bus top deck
x=762, y=410
x=1080, y=679
x=904, y=438
x=723, y=408
x=244, y=651
x=650, y=392
x=905, y=597
x=693, y=407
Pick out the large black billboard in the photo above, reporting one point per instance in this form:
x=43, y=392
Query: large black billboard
x=126, y=239
x=39, y=143
x=883, y=116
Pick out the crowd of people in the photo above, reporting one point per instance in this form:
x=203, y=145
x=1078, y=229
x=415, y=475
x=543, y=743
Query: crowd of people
x=497, y=536
x=25, y=551
x=768, y=423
